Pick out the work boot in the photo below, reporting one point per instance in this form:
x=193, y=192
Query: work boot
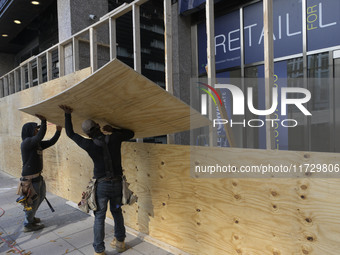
x=33, y=227
x=36, y=220
x=100, y=253
x=120, y=246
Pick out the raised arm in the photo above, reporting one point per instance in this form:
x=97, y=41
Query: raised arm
x=41, y=133
x=53, y=140
x=81, y=141
x=125, y=134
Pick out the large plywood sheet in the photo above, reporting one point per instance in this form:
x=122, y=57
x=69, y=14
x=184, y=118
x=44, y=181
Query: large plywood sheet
x=118, y=95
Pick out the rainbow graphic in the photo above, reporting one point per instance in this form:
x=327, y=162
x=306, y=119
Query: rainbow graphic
x=204, y=97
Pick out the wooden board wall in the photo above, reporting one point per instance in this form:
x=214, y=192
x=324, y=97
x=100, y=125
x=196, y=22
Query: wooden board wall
x=246, y=216
x=12, y=119
x=232, y=215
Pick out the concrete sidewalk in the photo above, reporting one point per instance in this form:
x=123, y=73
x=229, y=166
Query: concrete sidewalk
x=67, y=230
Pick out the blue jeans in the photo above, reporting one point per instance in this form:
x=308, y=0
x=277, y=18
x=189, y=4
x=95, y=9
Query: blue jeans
x=40, y=189
x=108, y=191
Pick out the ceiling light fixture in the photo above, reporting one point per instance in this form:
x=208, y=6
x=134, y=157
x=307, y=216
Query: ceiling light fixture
x=4, y=35
x=16, y=21
x=35, y=2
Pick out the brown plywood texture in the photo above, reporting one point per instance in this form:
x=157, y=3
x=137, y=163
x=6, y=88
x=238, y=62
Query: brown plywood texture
x=257, y=216
x=118, y=95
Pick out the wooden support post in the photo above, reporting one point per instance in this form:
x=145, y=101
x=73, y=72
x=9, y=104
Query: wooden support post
x=6, y=86
x=268, y=66
x=39, y=70
x=22, y=77
x=49, y=65
x=1, y=87
x=75, y=53
x=113, y=38
x=93, y=49
x=136, y=43
x=30, y=79
x=210, y=21
x=17, y=86
x=11, y=83
x=168, y=56
x=61, y=55
x=136, y=37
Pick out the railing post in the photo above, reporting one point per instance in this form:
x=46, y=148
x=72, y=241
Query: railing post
x=93, y=49
x=61, y=55
x=136, y=37
x=16, y=80
x=75, y=53
x=11, y=83
x=1, y=87
x=39, y=70
x=22, y=79
x=49, y=65
x=113, y=38
x=6, y=85
x=30, y=80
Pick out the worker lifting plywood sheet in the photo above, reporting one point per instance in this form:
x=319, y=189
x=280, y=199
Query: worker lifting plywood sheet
x=119, y=96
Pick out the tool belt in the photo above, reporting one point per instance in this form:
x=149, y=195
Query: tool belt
x=111, y=179
x=26, y=191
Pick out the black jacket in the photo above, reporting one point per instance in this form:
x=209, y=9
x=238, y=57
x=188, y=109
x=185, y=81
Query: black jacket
x=32, y=147
x=96, y=152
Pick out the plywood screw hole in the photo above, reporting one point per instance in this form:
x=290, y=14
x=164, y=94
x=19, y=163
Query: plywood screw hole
x=274, y=193
x=236, y=237
x=238, y=197
x=148, y=175
x=162, y=163
x=303, y=187
x=149, y=214
x=306, y=156
x=198, y=223
x=236, y=221
x=161, y=176
x=239, y=251
x=309, y=220
x=275, y=206
x=310, y=238
x=234, y=184
x=163, y=204
x=303, y=197
x=198, y=210
x=305, y=251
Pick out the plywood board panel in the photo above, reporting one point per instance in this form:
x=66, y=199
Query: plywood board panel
x=118, y=95
x=232, y=215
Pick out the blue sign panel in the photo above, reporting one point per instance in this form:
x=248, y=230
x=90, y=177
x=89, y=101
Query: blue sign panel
x=323, y=24
x=227, y=42
x=287, y=28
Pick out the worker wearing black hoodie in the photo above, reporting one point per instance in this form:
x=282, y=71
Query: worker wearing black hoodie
x=32, y=159
x=109, y=178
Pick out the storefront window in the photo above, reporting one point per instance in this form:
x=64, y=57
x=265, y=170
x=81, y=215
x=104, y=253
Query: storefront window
x=320, y=88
